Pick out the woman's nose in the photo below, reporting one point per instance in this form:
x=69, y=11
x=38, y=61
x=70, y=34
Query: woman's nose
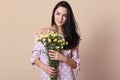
x=61, y=17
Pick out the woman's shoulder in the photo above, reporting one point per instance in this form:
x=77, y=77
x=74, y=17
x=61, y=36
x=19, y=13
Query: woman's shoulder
x=43, y=30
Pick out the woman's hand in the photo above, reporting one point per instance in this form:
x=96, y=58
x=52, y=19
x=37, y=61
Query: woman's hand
x=55, y=55
x=51, y=71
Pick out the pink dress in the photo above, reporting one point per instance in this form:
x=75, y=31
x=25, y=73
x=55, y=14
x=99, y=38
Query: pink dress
x=65, y=72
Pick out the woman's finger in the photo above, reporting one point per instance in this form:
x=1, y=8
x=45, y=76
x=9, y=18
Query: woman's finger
x=51, y=55
x=53, y=51
x=52, y=72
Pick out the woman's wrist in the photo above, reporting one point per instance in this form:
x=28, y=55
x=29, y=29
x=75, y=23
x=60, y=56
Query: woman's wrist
x=65, y=59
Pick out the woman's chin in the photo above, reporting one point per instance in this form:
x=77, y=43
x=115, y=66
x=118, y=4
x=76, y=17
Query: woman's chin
x=59, y=25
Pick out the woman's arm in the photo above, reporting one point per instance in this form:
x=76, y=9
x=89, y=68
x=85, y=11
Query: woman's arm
x=39, y=63
x=70, y=62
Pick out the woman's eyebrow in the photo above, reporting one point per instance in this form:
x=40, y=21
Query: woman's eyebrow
x=57, y=11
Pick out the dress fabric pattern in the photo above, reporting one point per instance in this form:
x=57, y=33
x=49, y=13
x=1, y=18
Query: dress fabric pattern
x=64, y=71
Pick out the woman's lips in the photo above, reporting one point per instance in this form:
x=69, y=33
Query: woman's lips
x=59, y=21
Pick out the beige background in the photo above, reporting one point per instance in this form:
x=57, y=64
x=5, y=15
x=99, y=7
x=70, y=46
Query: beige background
x=99, y=22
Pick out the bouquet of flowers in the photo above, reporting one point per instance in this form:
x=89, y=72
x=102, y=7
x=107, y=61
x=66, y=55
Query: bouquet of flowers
x=52, y=41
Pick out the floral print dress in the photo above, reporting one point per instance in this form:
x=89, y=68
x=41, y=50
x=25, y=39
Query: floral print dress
x=64, y=71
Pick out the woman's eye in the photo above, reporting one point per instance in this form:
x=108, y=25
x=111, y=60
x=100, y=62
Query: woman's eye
x=65, y=15
x=57, y=13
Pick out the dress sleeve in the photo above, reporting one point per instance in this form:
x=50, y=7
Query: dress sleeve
x=36, y=51
x=75, y=56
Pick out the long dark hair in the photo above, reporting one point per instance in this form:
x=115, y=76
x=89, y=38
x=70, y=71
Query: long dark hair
x=69, y=28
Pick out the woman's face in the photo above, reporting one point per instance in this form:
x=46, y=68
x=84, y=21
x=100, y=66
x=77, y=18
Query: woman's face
x=60, y=16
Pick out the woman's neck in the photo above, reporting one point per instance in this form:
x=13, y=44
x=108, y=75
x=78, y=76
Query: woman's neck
x=59, y=29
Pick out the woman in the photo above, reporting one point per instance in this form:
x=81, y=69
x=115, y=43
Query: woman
x=64, y=23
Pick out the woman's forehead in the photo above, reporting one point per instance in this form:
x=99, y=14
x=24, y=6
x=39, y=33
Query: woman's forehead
x=61, y=10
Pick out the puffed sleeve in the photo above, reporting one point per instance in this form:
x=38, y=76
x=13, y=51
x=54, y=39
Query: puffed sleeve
x=36, y=50
x=75, y=56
